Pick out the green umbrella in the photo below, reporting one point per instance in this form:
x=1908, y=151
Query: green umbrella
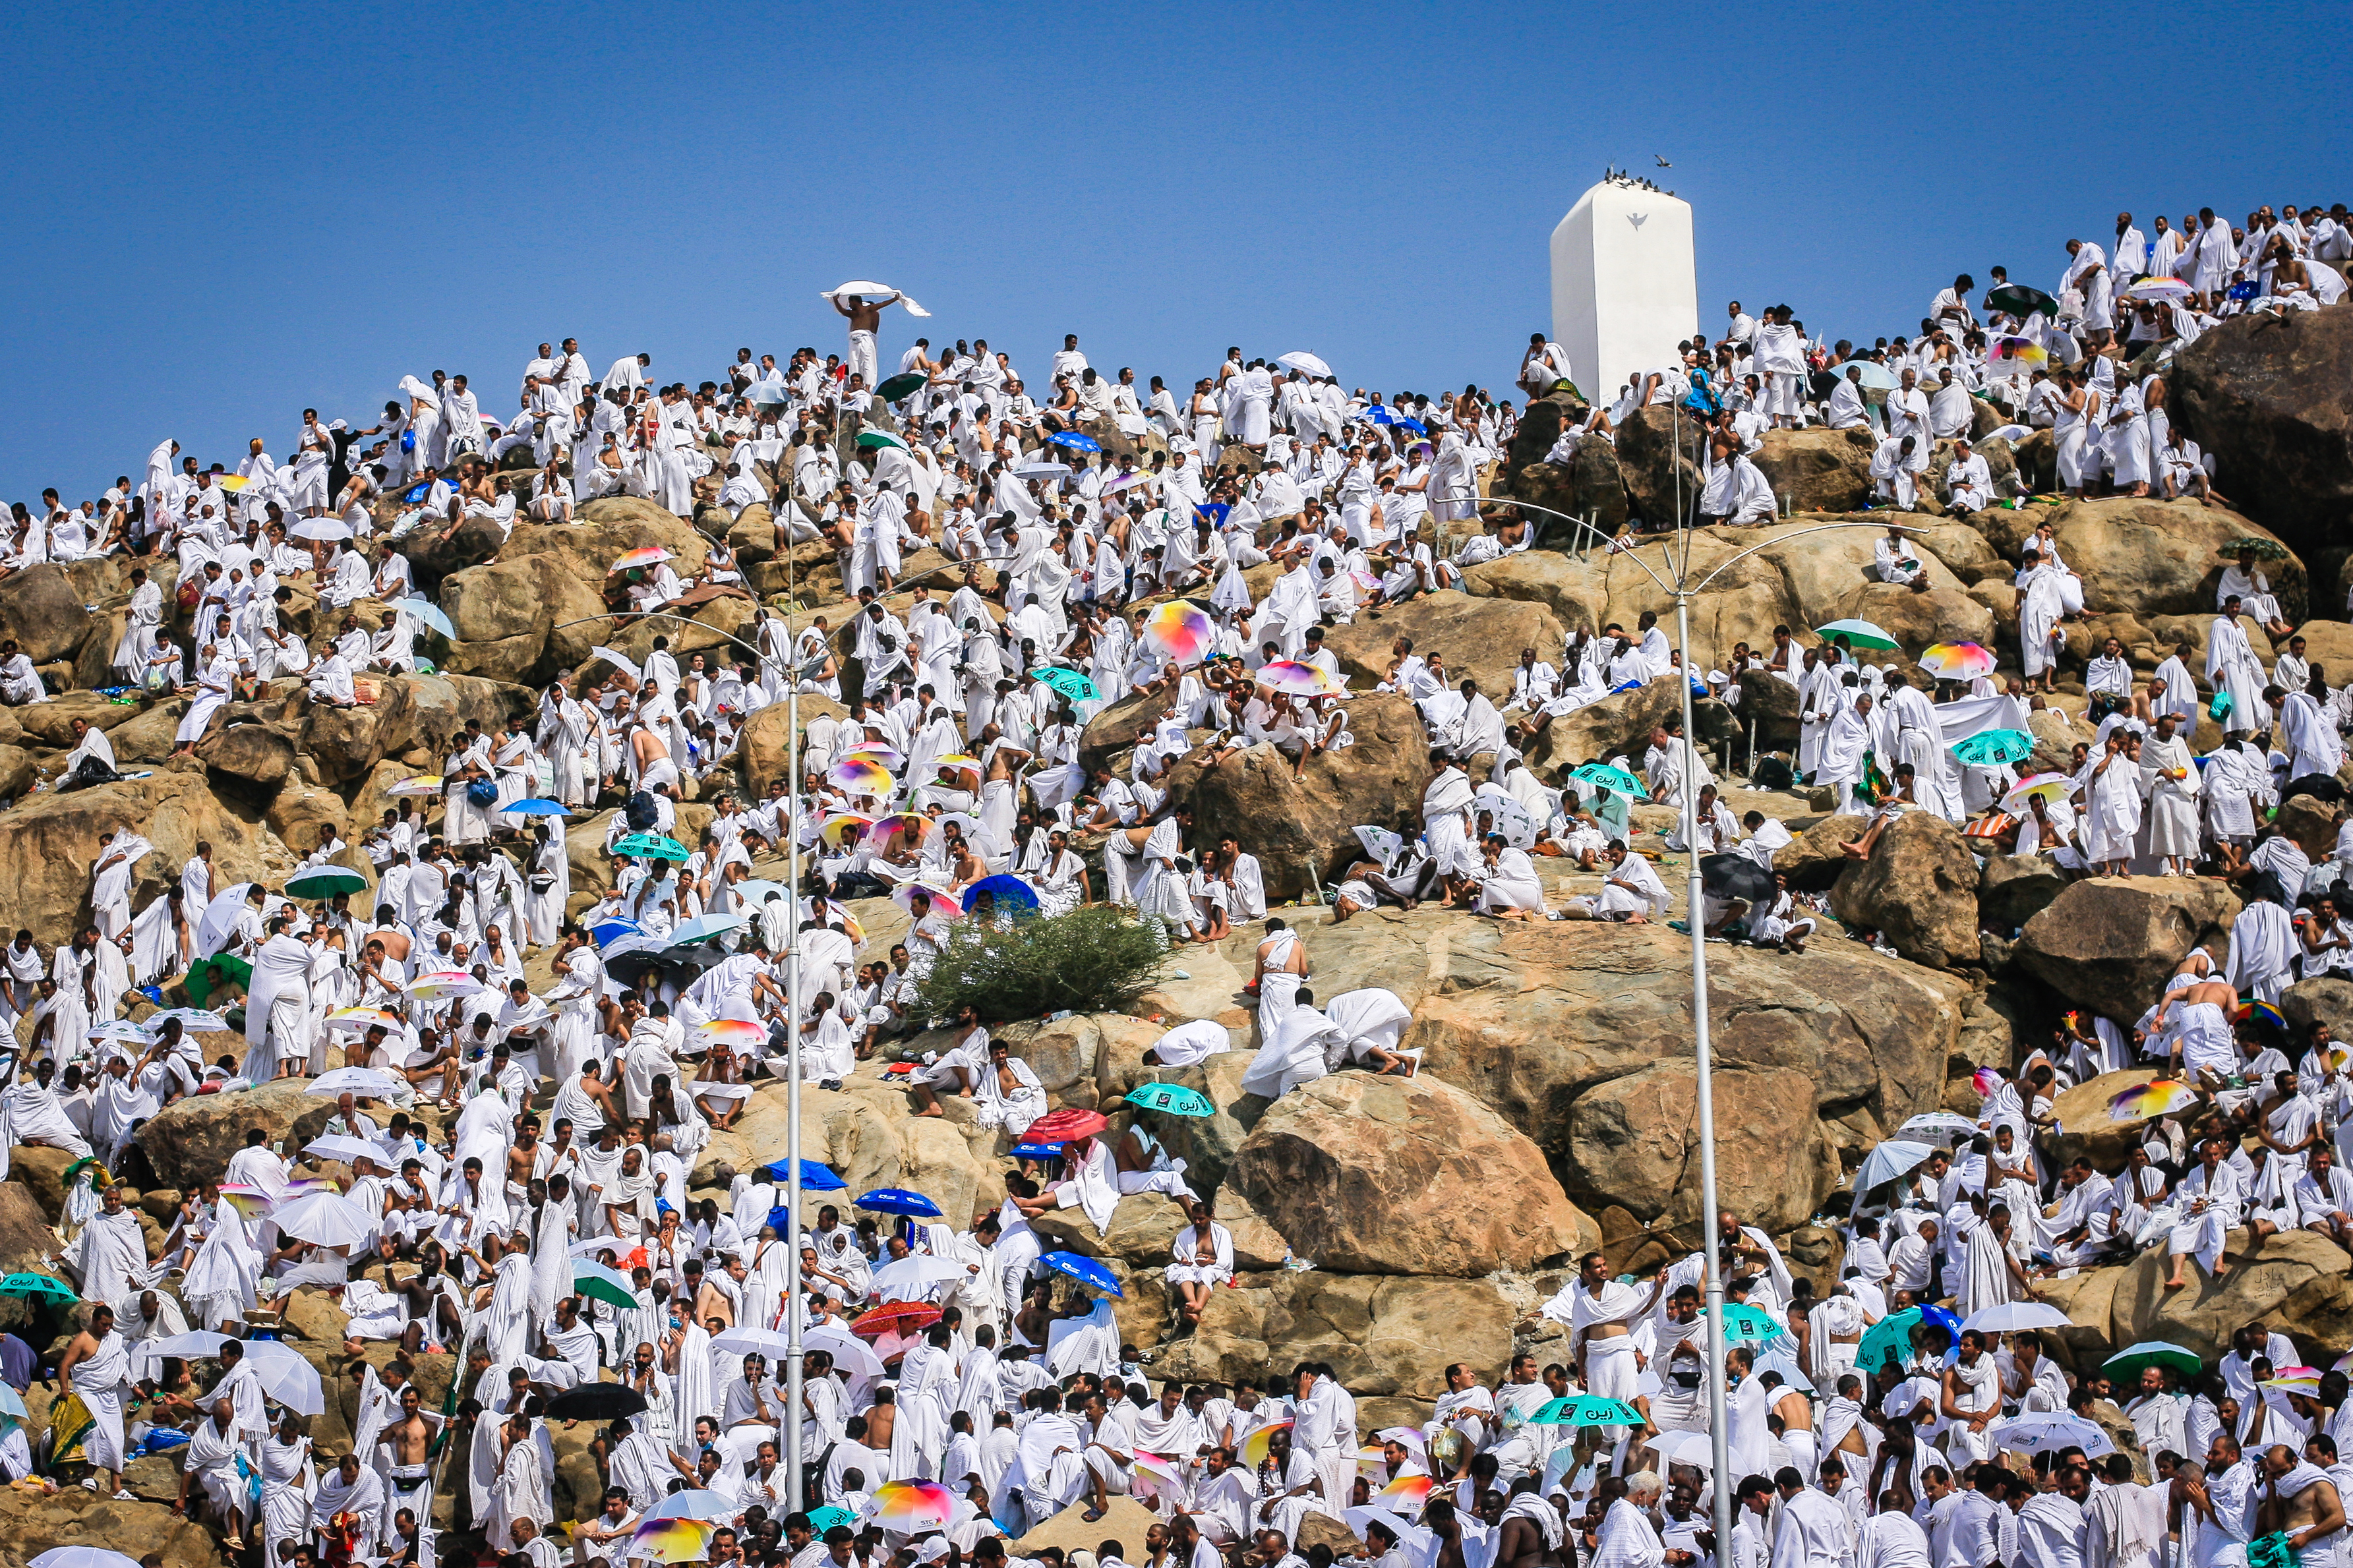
x=211, y=974
x=604, y=1284
x=2124, y=1368
x=1173, y=1098
x=899, y=386
x=871, y=439
x=1067, y=683
x=2263, y=549
x=1858, y=634
x=38, y=1287
x=1889, y=1339
x=1747, y=1325
x=325, y=882
x=1994, y=747
x=1608, y=778
x=1587, y=1410
x=652, y=846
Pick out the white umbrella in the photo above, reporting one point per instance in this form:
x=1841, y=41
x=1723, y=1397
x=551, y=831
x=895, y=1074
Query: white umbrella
x=325, y=528
x=368, y=1083
x=698, y=1504
x=1041, y=470
x=286, y=1377
x=220, y=919
x=84, y=1557
x=1380, y=843
x=905, y=1280
x=618, y=660
x=755, y=1341
x=1410, y=1538
x=863, y=287
x=324, y=1219
x=2047, y=1434
x=336, y=1146
x=1936, y=1126
x=1694, y=1448
x=850, y=1353
x=1302, y=359
x=193, y=1345
x=1887, y=1163
x=2016, y=1317
x=1780, y=1358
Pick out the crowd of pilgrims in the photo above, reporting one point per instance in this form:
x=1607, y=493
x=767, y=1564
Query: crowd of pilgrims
x=563, y=1124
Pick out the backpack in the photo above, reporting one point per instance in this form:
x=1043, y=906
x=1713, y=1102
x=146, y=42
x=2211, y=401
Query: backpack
x=639, y=811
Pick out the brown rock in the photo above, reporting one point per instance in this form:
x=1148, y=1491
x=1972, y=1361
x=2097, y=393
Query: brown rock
x=2293, y=1282
x=2111, y=943
x=1377, y=1175
x=1819, y=469
x=1659, y=454
x=2311, y=823
x=345, y=743
x=1142, y=1229
x=51, y=840
x=42, y=606
x=2014, y=889
x=2271, y=397
x=761, y=750
x=2319, y=1001
x=1480, y=639
x=251, y=753
x=1303, y=825
x=512, y=617
x=1915, y=891
x=1384, y=1335
x=31, y=1524
x=2085, y=1129
x=2161, y=558
x=189, y=1142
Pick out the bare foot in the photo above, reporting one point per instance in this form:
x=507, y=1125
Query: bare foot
x=1852, y=848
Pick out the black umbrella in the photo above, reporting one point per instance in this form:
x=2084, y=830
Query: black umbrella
x=2020, y=300
x=595, y=1402
x=1734, y=877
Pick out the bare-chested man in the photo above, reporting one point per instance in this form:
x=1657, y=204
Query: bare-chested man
x=865, y=318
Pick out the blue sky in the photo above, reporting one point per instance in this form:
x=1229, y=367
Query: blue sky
x=221, y=216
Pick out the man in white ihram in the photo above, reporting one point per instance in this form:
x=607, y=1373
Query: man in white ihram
x=1602, y=1312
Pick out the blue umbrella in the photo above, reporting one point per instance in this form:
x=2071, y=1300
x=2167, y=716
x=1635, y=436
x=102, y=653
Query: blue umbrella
x=429, y=613
x=605, y=932
x=1085, y=1271
x=1032, y=1151
x=1873, y=373
x=536, y=809
x=1379, y=415
x=1214, y=513
x=1415, y=425
x=815, y=1178
x=1994, y=747
x=702, y=928
x=1074, y=441
x=898, y=1200
x=1005, y=889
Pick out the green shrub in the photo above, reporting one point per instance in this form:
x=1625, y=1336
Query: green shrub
x=1095, y=959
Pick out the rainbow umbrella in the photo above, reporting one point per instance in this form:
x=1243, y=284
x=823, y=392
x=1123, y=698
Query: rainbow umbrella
x=1182, y=629
x=913, y=824
x=1985, y=1080
x=1152, y=1473
x=944, y=904
x=909, y=1507
x=877, y=752
x=733, y=1033
x=1957, y=660
x=843, y=828
x=2159, y=1097
x=2155, y=289
x=360, y=1020
x=2261, y=1012
x=2052, y=785
x=1409, y=1491
x=421, y=785
x=445, y=983
x=861, y=777
x=250, y=1203
x=2013, y=355
x=643, y=555
x=671, y=1541
x=1255, y=1445
x=957, y=762
x=1292, y=679
x=2294, y=1380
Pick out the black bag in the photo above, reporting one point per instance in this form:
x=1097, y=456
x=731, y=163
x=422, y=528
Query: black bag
x=88, y=771
x=813, y=1480
x=640, y=813
x=1771, y=772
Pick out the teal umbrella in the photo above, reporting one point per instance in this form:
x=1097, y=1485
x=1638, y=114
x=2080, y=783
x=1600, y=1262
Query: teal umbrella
x=823, y=1518
x=1889, y=1339
x=1608, y=778
x=1874, y=375
x=1587, y=1410
x=1994, y=747
x=38, y=1287
x=651, y=845
x=1745, y=1325
x=1173, y=1098
x=1067, y=683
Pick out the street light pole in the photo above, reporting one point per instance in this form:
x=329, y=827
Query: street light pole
x=790, y=1430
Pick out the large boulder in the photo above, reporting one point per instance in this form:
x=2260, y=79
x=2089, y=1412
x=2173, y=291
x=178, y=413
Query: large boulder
x=438, y=548
x=762, y=751
x=32, y=1523
x=2293, y=1282
x=1480, y=639
x=1301, y=825
x=2149, y=557
x=2014, y=889
x=1819, y=469
x=252, y=753
x=189, y=1142
x=512, y=617
x=1659, y=454
x=50, y=841
x=1578, y=1035
x=1916, y=890
x=45, y=607
x=346, y=744
x=2110, y=943
x=1384, y=1335
x=1369, y=1175
x=2271, y=398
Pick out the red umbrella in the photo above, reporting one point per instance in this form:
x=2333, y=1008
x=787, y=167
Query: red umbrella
x=1063, y=1126
x=903, y=1316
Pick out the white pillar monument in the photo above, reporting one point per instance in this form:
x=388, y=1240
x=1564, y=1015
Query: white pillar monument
x=1624, y=291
